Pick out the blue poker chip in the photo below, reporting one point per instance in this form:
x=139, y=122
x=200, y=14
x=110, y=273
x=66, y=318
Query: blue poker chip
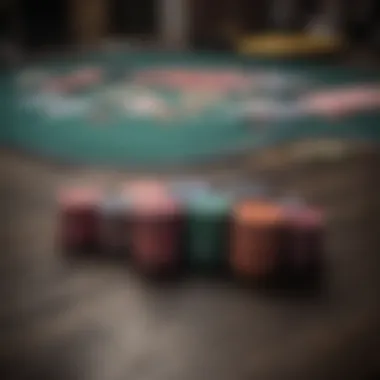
x=188, y=189
x=114, y=205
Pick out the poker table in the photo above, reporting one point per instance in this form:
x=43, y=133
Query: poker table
x=155, y=109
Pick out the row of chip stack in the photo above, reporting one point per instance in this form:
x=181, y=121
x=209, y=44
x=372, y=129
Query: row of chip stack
x=168, y=228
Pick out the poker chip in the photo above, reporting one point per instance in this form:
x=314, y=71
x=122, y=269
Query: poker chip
x=114, y=231
x=141, y=188
x=145, y=105
x=185, y=190
x=74, y=81
x=160, y=225
x=255, y=240
x=342, y=102
x=208, y=222
x=79, y=218
x=78, y=196
x=31, y=78
x=56, y=106
x=149, y=197
x=155, y=228
x=262, y=109
x=257, y=212
x=302, y=254
x=304, y=217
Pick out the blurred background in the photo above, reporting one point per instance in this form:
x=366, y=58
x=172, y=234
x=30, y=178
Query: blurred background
x=99, y=320
x=36, y=25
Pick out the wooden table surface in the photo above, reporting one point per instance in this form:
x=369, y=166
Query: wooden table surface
x=98, y=320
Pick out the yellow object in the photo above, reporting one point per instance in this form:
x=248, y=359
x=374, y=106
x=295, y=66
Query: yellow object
x=288, y=45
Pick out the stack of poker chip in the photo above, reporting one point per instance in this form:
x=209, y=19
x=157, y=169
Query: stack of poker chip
x=161, y=226
x=255, y=240
x=303, y=242
x=207, y=227
x=154, y=227
x=79, y=219
x=114, y=218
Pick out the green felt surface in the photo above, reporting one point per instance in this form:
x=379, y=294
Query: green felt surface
x=99, y=129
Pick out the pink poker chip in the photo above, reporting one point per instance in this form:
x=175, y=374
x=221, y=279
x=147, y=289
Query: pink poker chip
x=88, y=76
x=343, y=101
x=160, y=206
x=79, y=196
x=55, y=85
x=149, y=197
x=79, y=78
x=143, y=188
x=304, y=217
x=223, y=80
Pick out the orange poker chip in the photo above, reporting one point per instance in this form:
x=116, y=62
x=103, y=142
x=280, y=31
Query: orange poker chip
x=256, y=212
x=255, y=240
